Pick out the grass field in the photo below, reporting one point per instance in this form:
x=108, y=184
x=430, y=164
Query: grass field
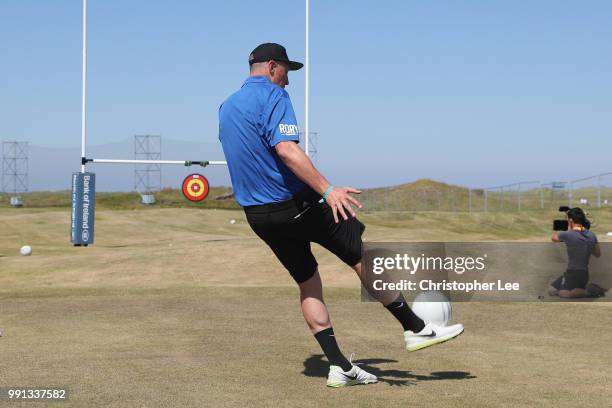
x=178, y=307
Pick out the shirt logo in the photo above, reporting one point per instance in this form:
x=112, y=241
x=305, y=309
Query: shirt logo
x=288, y=130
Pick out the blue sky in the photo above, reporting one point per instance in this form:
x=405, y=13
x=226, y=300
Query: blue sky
x=469, y=92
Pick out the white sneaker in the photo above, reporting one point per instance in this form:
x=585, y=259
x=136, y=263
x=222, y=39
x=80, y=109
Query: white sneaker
x=430, y=335
x=338, y=378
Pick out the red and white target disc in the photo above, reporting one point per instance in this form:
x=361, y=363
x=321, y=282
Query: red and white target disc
x=195, y=187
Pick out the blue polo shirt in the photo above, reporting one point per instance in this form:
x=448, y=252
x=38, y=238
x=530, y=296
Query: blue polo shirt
x=251, y=122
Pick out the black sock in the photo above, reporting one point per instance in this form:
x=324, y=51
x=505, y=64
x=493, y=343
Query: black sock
x=405, y=315
x=327, y=341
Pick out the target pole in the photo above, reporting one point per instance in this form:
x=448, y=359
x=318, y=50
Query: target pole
x=182, y=162
x=84, y=89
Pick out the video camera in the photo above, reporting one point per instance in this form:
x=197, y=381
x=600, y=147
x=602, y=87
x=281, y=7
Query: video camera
x=561, y=225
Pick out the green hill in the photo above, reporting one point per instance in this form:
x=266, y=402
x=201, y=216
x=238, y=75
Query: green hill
x=420, y=195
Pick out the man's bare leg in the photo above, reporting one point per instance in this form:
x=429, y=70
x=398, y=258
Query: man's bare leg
x=341, y=371
x=385, y=297
x=313, y=308
x=395, y=303
x=317, y=318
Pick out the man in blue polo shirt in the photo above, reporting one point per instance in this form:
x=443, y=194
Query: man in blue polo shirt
x=258, y=175
x=289, y=204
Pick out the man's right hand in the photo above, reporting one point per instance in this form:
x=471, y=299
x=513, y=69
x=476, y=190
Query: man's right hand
x=341, y=202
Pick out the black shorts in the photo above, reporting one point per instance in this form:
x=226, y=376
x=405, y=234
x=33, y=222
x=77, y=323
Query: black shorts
x=288, y=227
x=571, y=279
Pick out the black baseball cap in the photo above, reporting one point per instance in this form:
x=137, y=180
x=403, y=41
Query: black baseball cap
x=272, y=51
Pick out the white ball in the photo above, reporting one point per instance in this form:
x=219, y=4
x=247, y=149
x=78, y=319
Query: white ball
x=232, y=221
x=433, y=307
x=26, y=250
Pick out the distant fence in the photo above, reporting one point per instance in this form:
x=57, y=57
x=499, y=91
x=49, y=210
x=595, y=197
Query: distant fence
x=588, y=192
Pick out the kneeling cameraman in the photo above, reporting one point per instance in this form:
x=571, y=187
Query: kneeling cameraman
x=580, y=243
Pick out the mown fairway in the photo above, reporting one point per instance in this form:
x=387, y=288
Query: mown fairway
x=178, y=307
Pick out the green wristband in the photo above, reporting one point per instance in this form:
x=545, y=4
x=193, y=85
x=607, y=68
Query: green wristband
x=326, y=194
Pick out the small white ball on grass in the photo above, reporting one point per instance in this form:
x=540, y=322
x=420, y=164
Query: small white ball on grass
x=232, y=221
x=26, y=250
